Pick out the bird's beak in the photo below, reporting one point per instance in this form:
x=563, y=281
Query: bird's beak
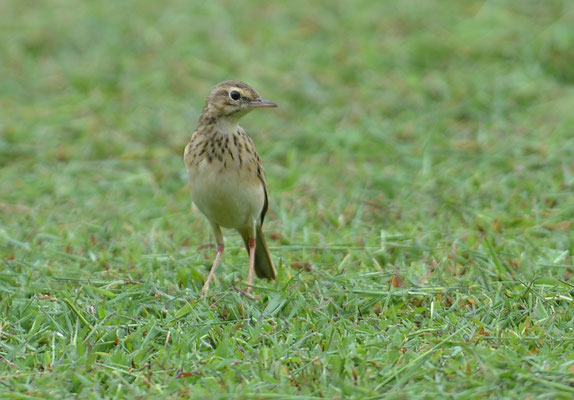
x=262, y=103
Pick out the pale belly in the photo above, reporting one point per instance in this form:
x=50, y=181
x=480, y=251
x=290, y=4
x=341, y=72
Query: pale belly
x=227, y=199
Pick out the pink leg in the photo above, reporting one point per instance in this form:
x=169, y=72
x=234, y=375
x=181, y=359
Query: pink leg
x=251, y=263
x=213, y=268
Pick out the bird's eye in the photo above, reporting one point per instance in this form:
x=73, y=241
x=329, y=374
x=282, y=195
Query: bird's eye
x=234, y=95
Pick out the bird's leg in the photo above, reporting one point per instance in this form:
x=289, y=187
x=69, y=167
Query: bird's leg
x=212, y=271
x=251, y=244
x=220, y=247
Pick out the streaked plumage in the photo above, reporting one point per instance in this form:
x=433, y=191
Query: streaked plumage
x=226, y=176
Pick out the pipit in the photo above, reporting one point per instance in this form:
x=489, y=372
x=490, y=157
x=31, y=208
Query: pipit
x=226, y=175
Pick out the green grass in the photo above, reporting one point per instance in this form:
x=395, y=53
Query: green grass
x=421, y=176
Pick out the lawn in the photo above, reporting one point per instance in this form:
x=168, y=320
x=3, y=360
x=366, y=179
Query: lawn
x=420, y=169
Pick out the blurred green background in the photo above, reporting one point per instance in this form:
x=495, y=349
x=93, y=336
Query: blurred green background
x=420, y=171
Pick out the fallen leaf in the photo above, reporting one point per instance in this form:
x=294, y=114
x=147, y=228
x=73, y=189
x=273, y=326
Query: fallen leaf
x=276, y=236
x=396, y=281
x=182, y=374
x=563, y=226
x=303, y=265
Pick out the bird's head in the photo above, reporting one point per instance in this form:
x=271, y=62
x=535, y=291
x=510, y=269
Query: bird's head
x=233, y=99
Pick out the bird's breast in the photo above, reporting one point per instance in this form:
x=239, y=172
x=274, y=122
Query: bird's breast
x=225, y=189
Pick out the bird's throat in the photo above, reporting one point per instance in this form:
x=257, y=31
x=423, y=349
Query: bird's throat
x=227, y=125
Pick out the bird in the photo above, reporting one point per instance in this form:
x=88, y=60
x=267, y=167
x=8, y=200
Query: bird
x=226, y=177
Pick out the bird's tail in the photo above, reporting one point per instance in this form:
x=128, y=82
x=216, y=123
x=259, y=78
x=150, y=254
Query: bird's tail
x=263, y=264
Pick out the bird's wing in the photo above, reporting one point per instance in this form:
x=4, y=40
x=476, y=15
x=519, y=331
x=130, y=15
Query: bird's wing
x=261, y=176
